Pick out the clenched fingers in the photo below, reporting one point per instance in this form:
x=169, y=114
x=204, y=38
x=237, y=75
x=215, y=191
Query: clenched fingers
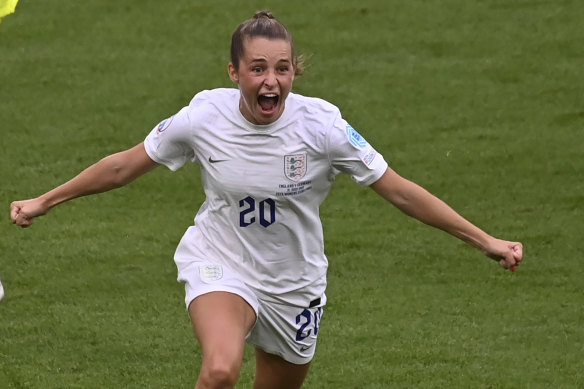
x=18, y=217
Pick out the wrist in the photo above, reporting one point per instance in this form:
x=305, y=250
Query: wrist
x=478, y=239
x=47, y=201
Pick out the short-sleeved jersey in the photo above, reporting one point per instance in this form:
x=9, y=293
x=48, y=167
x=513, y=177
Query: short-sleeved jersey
x=264, y=185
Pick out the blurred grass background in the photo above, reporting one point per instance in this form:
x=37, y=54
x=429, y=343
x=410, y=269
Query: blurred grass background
x=480, y=102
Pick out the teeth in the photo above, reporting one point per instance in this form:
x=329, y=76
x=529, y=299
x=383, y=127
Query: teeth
x=270, y=95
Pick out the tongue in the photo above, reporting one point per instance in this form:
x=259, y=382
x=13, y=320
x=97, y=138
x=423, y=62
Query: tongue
x=267, y=103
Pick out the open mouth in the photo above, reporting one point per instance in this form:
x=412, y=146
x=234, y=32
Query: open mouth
x=268, y=102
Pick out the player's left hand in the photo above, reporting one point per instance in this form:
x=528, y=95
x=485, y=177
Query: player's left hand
x=508, y=254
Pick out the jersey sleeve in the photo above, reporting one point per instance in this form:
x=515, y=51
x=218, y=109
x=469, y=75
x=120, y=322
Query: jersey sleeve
x=169, y=142
x=351, y=154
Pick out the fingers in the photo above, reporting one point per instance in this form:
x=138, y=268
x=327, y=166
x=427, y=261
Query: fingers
x=513, y=256
x=22, y=220
x=508, y=265
x=14, y=211
x=517, y=252
x=18, y=217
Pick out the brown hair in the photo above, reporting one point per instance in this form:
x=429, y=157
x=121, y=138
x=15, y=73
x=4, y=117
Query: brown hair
x=262, y=24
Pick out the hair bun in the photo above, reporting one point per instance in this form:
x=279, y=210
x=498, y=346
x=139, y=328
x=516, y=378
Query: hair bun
x=263, y=14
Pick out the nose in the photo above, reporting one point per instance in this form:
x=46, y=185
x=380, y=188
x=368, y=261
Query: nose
x=270, y=80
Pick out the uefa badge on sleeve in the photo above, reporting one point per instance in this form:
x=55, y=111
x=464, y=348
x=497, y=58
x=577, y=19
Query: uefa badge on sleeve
x=163, y=125
x=355, y=138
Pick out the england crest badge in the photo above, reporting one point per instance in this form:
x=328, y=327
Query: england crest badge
x=210, y=273
x=295, y=166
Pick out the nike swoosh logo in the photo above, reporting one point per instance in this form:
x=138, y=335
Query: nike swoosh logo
x=216, y=160
x=304, y=348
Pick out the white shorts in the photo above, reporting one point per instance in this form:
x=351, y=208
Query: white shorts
x=287, y=331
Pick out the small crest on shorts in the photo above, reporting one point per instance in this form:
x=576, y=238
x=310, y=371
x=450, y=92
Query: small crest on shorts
x=163, y=125
x=210, y=273
x=295, y=166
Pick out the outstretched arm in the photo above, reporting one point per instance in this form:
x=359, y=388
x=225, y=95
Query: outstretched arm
x=109, y=173
x=417, y=202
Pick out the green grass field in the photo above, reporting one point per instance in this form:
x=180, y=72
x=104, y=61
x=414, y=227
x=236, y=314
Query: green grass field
x=481, y=102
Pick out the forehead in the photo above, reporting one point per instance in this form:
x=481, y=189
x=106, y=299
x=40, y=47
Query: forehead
x=259, y=48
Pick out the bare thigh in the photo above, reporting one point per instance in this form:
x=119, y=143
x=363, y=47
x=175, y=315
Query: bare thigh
x=274, y=372
x=221, y=321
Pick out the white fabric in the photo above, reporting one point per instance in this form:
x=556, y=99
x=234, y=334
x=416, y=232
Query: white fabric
x=288, y=331
x=263, y=186
x=201, y=278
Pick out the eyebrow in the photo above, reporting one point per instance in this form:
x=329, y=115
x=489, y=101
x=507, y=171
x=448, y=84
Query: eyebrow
x=262, y=60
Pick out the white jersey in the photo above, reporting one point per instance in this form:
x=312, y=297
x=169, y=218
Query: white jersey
x=264, y=185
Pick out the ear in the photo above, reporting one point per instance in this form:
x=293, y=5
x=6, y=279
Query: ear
x=233, y=73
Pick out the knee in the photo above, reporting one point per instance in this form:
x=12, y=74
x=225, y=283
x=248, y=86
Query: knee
x=218, y=375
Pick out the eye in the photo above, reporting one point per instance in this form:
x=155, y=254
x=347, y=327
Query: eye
x=256, y=69
x=283, y=69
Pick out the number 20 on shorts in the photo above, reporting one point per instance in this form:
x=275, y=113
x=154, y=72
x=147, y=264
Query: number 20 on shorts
x=308, y=321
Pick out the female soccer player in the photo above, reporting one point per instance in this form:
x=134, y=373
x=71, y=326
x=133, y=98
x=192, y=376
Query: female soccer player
x=253, y=263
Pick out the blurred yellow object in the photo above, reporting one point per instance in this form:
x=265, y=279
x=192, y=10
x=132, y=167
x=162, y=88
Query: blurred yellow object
x=7, y=7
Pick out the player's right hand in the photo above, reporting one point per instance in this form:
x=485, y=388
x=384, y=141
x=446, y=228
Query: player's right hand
x=23, y=212
x=508, y=254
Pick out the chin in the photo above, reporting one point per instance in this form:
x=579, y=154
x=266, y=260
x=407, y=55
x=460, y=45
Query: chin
x=267, y=118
